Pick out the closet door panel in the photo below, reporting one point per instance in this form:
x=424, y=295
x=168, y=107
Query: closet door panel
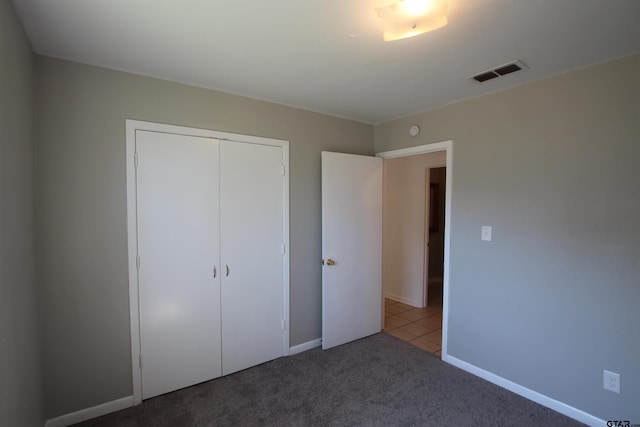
x=178, y=245
x=251, y=203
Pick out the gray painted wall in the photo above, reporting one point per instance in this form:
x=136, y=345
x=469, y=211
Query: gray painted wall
x=82, y=231
x=553, y=167
x=20, y=373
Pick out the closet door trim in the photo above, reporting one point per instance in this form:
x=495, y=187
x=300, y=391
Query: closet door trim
x=131, y=127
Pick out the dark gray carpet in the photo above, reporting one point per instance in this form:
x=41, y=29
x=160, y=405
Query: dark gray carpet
x=376, y=381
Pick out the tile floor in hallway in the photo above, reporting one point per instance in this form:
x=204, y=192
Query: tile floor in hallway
x=421, y=327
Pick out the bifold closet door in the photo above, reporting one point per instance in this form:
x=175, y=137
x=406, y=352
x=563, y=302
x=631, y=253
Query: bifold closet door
x=178, y=244
x=251, y=214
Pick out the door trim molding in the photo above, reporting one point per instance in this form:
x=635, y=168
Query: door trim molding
x=134, y=314
x=446, y=146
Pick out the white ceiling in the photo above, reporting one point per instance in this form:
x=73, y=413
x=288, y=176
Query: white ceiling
x=328, y=55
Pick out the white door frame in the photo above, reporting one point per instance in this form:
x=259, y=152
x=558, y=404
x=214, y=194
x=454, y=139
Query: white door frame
x=131, y=127
x=446, y=146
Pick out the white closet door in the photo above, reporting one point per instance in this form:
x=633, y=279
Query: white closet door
x=178, y=245
x=251, y=203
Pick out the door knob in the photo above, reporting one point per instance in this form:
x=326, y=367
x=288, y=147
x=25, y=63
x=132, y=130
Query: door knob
x=330, y=262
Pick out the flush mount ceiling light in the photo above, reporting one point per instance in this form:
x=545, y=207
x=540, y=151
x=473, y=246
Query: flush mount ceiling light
x=408, y=18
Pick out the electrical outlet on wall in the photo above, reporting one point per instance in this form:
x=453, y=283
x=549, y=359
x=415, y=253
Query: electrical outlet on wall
x=612, y=381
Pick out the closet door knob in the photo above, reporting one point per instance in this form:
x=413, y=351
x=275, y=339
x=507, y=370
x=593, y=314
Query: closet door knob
x=215, y=272
x=227, y=269
x=330, y=262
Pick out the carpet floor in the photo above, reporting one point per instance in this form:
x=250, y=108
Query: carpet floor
x=375, y=381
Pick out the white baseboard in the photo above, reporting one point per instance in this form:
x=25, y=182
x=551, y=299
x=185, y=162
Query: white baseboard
x=543, y=400
x=305, y=346
x=89, y=413
x=404, y=300
x=126, y=402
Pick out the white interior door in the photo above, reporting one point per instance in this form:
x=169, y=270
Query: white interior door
x=178, y=246
x=252, y=203
x=351, y=247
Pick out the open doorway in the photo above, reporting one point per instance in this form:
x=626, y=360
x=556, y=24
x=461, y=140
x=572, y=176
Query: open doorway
x=435, y=183
x=415, y=245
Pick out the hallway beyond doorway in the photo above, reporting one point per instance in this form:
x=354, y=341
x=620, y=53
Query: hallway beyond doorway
x=421, y=327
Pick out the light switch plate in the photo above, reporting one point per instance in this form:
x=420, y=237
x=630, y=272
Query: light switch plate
x=485, y=233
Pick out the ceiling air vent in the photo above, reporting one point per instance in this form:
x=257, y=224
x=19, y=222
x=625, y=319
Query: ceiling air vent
x=500, y=71
x=485, y=76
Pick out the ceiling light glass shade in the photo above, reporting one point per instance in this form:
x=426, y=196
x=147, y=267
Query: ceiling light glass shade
x=408, y=18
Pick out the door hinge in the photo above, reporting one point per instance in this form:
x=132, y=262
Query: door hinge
x=284, y=325
x=135, y=159
x=282, y=170
x=283, y=249
x=138, y=262
x=140, y=360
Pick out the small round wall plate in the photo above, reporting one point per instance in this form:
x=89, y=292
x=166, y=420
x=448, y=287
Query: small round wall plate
x=414, y=130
